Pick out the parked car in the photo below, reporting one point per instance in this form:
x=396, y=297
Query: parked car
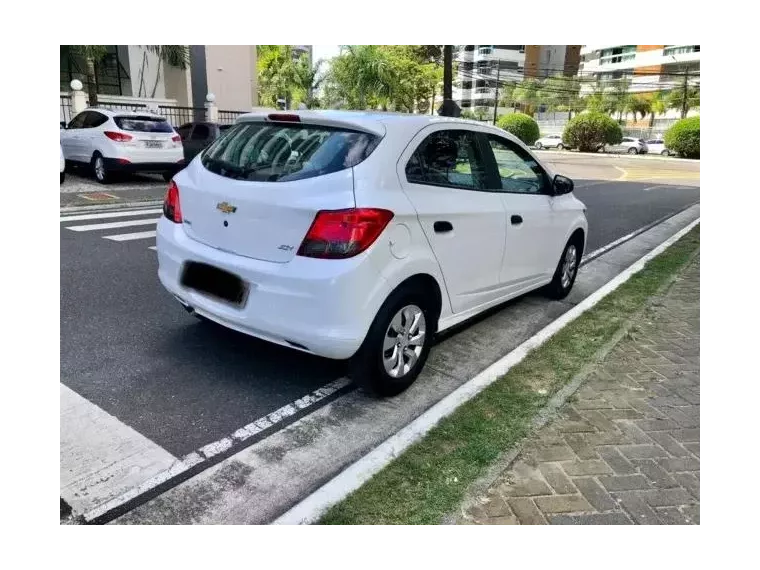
x=361, y=235
x=657, y=146
x=122, y=141
x=550, y=141
x=60, y=166
x=198, y=135
x=628, y=145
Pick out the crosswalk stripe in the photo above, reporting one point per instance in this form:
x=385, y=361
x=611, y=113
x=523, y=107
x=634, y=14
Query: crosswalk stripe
x=130, y=237
x=107, y=215
x=153, y=247
x=112, y=225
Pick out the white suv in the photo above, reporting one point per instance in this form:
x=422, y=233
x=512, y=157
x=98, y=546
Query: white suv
x=361, y=235
x=122, y=141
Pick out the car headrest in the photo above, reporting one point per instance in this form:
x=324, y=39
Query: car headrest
x=441, y=152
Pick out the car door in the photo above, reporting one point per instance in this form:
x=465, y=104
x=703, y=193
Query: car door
x=71, y=138
x=92, y=134
x=445, y=177
x=533, y=228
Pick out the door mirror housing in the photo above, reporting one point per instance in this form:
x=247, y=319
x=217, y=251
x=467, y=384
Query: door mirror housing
x=562, y=185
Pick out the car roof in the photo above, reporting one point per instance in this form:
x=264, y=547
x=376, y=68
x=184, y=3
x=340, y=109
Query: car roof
x=376, y=122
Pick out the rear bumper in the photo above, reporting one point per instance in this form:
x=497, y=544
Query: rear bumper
x=117, y=164
x=324, y=307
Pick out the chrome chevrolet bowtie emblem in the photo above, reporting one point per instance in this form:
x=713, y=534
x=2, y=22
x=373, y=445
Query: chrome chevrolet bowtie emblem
x=226, y=207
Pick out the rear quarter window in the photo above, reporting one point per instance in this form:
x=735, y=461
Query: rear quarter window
x=275, y=152
x=143, y=124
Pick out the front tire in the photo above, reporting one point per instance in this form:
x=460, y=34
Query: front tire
x=539, y=146
x=99, y=169
x=633, y=150
x=397, y=344
x=567, y=269
x=665, y=153
x=560, y=146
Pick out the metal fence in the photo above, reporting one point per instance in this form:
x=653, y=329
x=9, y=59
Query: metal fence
x=178, y=116
x=65, y=109
x=228, y=117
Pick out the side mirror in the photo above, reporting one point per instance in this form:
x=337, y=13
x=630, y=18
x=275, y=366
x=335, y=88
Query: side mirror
x=562, y=185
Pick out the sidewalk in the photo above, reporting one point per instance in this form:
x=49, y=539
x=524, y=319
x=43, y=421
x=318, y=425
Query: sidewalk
x=625, y=449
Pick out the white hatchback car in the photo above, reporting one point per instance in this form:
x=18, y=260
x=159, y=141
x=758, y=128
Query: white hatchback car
x=359, y=236
x=550, y=141
x=657, y=146
x=122, y=141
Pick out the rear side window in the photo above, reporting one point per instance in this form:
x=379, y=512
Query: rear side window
x=200, y=133
x=143, y=124
x=281, y=153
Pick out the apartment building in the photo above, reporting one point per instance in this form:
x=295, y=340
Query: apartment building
x=477, y=69
x=649, y=67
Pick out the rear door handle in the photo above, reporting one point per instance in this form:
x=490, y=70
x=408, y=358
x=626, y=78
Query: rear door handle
x=516, y=220
x=442, y=227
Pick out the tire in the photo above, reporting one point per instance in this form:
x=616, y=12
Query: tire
x=560, y=146
x=539, y=146
x=63, y=177
x=99, y=169
x=561, y=284
x=371, y=368
x=633, y=150
x=665, y=153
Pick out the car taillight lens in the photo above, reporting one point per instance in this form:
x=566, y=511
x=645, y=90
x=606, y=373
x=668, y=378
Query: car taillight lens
x=176, y=138
x=338, y=234
x=118, y=137
x=172, y=209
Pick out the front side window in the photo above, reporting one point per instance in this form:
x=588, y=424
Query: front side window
x=276, y=152
x=448, y=158
x=518, y=171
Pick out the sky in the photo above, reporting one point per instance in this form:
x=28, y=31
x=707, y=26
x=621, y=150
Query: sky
x=324, y=52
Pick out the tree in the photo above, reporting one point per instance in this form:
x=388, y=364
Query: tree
x=521, y=125
x=91, y=55
x=658, y=105
x=307, y=80
x=527, y=93
x=618, y=97
x=507, y=95
x=596, y=101
x=278, y=75
x=590, y=131
x=638, y=104
x=554, y=93
x=174, y=56
x=675, y=99
x=683, y=137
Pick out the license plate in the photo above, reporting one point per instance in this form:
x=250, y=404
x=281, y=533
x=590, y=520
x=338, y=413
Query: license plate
x=154, y=144
x=214, y=282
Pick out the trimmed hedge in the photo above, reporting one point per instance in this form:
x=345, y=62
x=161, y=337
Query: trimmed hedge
x=589, y=131
x=683, y=137
x=520, y=125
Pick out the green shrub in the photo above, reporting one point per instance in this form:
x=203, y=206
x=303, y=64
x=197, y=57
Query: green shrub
x=683, y=137
x=589, y=131
x=520, y=125
x=467, y=114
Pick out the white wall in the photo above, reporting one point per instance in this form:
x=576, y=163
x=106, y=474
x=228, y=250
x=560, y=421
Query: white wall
x=152, y=66
x=231, y=76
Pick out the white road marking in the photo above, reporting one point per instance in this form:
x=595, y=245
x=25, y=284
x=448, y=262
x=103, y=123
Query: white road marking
x=102, y=458
x=112, y=225
x=153, y=247
x=130, y=237
x=177, y=466
x=106, y=215
x=597, y=252
x=647, y=189
x=315, y=505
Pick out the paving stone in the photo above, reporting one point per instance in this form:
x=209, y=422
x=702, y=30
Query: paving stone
x=590, y=467
x=667, y=497
x=643, y=451
x=686, y=435
x=598, y=420
x=657, y=425
x=666, y=441
x=595, y=518
x=624, y=482
x=689, y=482
x=691, y=513
x=526, y=511
x=594, y=493
x=579, y=443
x=557, y=479
x=563, y=504
x=554, y=453
x=526, y=488
x=679, y=464
x=632, y=433
x=619, y=464
x=660, y=478
x=693, y=448
x=623, y=414
x=597, y=404
x=574, y=427
x=637, y=508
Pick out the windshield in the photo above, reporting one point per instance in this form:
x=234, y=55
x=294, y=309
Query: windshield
x=282, y=153
x=143, y=124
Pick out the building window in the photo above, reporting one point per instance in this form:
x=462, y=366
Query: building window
x=111, y=75
x=469, y=48
x=675, y=50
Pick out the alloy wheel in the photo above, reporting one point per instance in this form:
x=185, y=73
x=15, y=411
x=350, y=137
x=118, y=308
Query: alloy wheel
x=404, y=340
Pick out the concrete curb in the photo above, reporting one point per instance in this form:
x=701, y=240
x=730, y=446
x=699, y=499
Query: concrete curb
x=310, y=509
x=106, y=207
x=616, y=156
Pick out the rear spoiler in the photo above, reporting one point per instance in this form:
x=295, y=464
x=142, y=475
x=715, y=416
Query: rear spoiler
x=310, y=118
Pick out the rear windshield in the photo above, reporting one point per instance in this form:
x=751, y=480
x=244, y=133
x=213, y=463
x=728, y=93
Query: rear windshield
x=143, y=124
x=284, y=152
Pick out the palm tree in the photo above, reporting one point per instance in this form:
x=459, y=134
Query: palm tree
x=91, y=55
x=619, y=97
x=528, y=94
x=657, y=105
x=638, y=104
x=308, y=79
x=277, y=73
x=174, y=56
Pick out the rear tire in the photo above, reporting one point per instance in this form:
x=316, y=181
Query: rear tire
x=63, y=177
x=567, y=269
x=665, y=153
x=632, y=150
x=539, y=146
x=397, y=344
x=99, y=169
x=560, y=146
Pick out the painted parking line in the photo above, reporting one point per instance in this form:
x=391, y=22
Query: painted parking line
x=112, y=225
x=131, y=237
x=108, y=215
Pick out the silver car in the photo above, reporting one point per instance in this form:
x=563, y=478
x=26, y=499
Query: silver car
x=657, y=146
x=549, y=141
x=628, y=145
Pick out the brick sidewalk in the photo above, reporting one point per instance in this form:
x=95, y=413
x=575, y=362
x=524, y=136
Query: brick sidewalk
x=625, y=449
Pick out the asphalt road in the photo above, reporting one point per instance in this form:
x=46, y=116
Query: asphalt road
x=129, y=348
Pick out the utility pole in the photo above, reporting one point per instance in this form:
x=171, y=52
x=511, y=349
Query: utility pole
x=496, y=96
x=685, y=92
x=448, y=108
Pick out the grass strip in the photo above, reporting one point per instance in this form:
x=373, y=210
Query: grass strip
x=431, y=477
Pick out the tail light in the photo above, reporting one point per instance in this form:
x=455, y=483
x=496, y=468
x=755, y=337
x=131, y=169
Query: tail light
x=176, y=138
x=339, y=234
x=172, y=209
x=118, y=137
